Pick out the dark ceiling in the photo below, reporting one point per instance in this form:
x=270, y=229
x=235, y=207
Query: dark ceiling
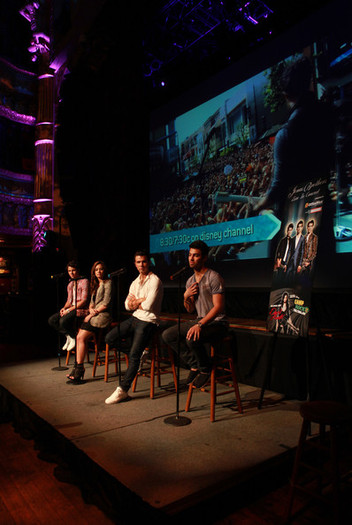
x=185, y=42
x=177, y=43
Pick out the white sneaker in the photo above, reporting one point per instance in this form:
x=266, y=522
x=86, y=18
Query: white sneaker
x=71, y=344
x=66, y=343
x=117, y=396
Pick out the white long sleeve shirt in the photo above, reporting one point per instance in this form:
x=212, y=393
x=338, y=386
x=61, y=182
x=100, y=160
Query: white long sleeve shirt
x=152, y=289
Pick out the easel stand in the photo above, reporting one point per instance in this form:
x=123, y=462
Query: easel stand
x=322, y=358
x=308, y=365
x=269, y=365
x=271, y=353
x=177, y=420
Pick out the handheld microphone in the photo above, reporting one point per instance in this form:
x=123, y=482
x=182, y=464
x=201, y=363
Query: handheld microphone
x=116, y=273
x=179, y=272
x=58, y=275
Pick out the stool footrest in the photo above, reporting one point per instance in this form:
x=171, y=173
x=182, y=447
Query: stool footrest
x=105, y=357
x=313, y=494
x=157, y=366
x=222, y=373
x=317, y=470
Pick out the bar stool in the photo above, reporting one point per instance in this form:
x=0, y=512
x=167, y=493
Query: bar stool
x=104, y=355
x=326, y=466
x=73, y=352
x=68, y=355
x=222, y=373
x=157, y=365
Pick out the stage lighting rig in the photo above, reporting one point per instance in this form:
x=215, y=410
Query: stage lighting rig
x=196, y=27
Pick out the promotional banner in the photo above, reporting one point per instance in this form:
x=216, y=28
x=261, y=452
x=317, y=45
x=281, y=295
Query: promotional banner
x=250, y=230
x=294, y=260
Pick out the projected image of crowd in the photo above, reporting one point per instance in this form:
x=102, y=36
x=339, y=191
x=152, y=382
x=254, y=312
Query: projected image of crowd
x=243, y=172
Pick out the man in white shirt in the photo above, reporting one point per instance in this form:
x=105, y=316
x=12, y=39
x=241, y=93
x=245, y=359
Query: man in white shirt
x=144, y=300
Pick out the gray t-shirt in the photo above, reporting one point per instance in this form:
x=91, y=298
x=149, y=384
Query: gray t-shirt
x=211, y=283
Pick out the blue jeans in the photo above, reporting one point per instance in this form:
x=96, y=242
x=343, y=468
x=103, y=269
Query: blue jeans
x=194, y=353
x=141, y=333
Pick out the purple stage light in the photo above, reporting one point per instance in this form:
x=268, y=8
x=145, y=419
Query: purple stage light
x=15, y=176
x=16, y=117
x=251, y=19
x=41, y=224
x=46, y=75
x=43, y=141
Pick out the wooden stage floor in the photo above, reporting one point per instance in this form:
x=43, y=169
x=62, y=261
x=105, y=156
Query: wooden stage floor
x=142, y=462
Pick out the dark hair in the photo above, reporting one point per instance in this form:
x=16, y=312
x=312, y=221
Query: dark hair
x=290, y=226
x=300, y=222
x=142, y=253
x=200, y=245
x=295, y=80
x=310, y=222
x=73, y=264
x=283, y=296
x=94, y=283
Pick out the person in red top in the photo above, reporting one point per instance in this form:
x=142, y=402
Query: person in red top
x=64, y=321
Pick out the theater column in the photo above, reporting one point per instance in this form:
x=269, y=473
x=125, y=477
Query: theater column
x=44, y=155
x=39, y=15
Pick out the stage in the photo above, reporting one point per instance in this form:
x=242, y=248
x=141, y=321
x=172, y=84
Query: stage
x=132, y=464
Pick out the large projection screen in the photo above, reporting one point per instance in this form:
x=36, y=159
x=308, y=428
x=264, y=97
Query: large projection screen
x=209, y=162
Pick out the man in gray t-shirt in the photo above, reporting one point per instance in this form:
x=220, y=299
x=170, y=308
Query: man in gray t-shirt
x=204, y=295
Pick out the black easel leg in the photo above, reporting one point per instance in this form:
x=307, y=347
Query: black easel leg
x=267, y=376
x=321, y=367
x=321, y=361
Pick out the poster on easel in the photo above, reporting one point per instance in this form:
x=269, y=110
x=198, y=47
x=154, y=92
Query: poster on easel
x=294, y=259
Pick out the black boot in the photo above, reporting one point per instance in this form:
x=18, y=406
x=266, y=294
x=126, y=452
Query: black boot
x=73, y=370
x=77, y=374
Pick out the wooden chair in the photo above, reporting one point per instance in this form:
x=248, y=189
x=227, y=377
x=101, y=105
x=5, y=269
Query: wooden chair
x=104, y=355
x=156, y=365
x=73, y=352
x=322, y=469
x=68, y=355
x=222, y=373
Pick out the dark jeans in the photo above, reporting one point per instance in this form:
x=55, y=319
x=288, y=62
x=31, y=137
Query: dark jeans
x=64, y=325
x=141, y=333
x=194, y=353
